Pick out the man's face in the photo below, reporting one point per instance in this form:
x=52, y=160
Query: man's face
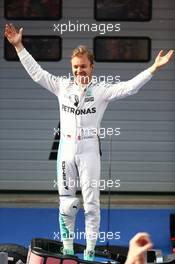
x=82, y=69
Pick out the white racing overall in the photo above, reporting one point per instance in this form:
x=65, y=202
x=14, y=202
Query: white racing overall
x=78, y=156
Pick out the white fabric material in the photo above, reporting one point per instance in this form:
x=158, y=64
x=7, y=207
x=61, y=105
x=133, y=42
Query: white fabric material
x=91, y=103
x=81, y=159
x=69, y=206
x=68, y=245
x=81, y=113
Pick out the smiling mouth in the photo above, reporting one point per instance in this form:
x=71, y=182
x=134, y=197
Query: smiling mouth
x=79, y=74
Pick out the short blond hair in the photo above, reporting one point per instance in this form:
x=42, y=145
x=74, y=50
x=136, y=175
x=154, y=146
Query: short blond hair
x=83, y=50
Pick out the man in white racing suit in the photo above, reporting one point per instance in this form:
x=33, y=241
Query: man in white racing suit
x=82, y=103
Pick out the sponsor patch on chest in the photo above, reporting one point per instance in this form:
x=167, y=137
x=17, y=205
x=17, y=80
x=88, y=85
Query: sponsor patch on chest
x=89, y=99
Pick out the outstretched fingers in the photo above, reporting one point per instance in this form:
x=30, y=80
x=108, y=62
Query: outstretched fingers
x=170, y=54
x=7, y=30
x=21, y=31
x=13, y=29
x=10, y=30
x=160, y=53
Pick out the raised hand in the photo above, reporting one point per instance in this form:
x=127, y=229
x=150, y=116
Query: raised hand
x=139, y=244
x=163, y=59
x=14, y=36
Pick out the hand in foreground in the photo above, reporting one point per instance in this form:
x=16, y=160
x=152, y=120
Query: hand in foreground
x=138, y=245
x=13, y=36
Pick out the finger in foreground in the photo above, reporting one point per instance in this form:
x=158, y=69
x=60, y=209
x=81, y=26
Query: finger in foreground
x=141, y=235
x=147, y=247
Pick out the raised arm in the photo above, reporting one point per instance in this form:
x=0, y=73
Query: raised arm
x=127, y=88
x=35, y=71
